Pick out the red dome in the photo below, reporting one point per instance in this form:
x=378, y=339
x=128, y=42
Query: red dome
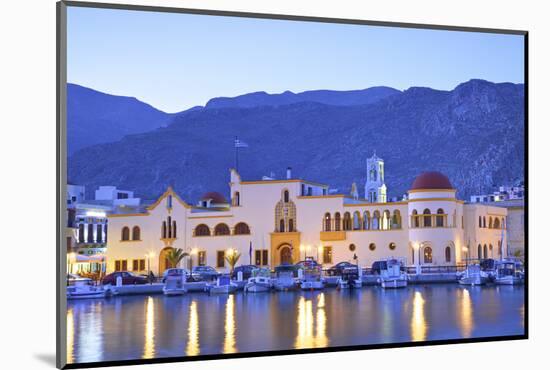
x=214, y=196
x=431, y=180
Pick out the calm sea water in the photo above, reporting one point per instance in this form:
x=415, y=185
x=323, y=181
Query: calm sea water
x=135, y=327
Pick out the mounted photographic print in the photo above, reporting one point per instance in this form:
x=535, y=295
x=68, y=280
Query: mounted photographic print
x=235, y=184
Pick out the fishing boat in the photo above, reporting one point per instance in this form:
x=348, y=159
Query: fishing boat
x=350, y=278
x=473, y=275
x=223, y=285
x=83, y=288
x=260, y=281
x=284, y=277
x=312, y=277
x=174, y=284
x=508, y=273
x=392, y=274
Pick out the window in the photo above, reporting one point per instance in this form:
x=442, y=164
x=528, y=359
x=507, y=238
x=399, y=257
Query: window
x=125, y=233
x=242, y=229
x=81, y=233
x=392, y=246
x=479, y=251
x=448, y=254
x=356, y=221
x=337, y=221
x=138, y=265
x=282, y=226
x=327, y=254
x=303, y=189
x=136, y=233
x=290, y=225
x=496, y=223
x=169, y=224
x=121, y=265
x=163, y=231
x=327, y=221
x=480, y=222
x=427, y=218
x=260, y=257
x=90, y=238
x=99, y=233
x=490, y=222
x=220, y=259
x=372, y=246
x=484, y=222
x=396, y=220
x=376, y=220
x=428, y=255
x=309, y=191
x=202, y=230
x=237, y=199
x=485, y=251
x=221, y=229
x=202, y=258
x=286, y=196
x=122, y=195
x=174, y=234
x=415, y=219
x=366, y=220
x=440, y=218
x=169, y=201
x=352, y=247
x=347, y=221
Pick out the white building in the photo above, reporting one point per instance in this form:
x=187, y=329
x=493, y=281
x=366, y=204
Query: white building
x=375, y=189
x=289, y=219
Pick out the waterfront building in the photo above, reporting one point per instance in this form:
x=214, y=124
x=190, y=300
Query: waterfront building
x=273, y=221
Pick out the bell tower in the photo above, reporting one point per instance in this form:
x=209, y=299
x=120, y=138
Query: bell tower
x=375, y=189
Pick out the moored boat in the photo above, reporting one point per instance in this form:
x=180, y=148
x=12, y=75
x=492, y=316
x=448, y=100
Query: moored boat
x=312, y=277
x=174, y=284
x=392, y=274
x=473, y=275
x=350, y=278
x=260, y=281
x=284, y=277
x=508, y=273
x=83, y=288
x=223, y=285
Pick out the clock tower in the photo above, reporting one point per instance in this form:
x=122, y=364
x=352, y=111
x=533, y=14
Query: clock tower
x=375, y=189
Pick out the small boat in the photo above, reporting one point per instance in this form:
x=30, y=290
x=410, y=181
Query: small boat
x=508, y=273
x=392, y=274
x=223, y=285
x=83, y=288
x=260, y=281
x=350, y=278
x=284, y=279
x=312, y=277
x=473, y=275
x=174, y=285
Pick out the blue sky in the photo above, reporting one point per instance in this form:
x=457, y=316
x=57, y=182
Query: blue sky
x=176, y=61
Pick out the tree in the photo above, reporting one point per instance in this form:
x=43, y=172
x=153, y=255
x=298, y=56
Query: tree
x=518, y=253
x=232, y=258
x=174, y=256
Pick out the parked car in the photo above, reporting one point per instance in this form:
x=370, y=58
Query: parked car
x=128, y=278
x=174, y=272
x=204, y=273
x=339, y=268
x=245, y=269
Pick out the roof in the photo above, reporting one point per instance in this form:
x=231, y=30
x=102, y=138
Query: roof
x=431, y=180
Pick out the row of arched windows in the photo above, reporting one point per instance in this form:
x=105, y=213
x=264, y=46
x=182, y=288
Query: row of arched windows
x=125, y=233
x=222, y=229
x=427, y=254
x=494, y=223
x=378, y=221
x=169, y=229
x=427, y=219
x=486, y=252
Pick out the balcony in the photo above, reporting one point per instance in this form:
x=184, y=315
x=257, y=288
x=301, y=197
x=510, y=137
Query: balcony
x=328, y=236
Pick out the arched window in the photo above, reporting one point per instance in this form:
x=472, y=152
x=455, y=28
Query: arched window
x=448, y=254
x=90, y=235
x=491, y=250
x=290, y=225
x=327, y=222
x=366, y=220
x=428, y=255
x=427, y=218
x=415, y=218
x=396, y=220
x=99, y=233
x=347, y=221
x=136, y=233
x=386, y=220
x=169, y=223
x=242, y=229
x=372, y=246
x=174, y=229
x=163, y=231
x=282, y=226
x=202, y=230
x=376, y=220
x=490, y=222
x=337, y=225
x=81, y=233
x=496, y=223
x=484, y=222
x=479, y=251
x=356, y=220
x=125, y=233
x=485, y=251
x=286, y=196
x=480, y=222
x=237, y=199
x=392, y=246
x=221, y=229
x=439, y=219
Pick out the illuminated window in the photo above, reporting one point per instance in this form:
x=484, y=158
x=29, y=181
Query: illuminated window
x=327, y=254
x=202, y=258
x=428, y=255
x=327, y=222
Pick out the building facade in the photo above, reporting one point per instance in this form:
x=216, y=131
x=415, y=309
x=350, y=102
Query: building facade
x=273, y=221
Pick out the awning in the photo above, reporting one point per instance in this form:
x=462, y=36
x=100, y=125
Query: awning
x=95, y=258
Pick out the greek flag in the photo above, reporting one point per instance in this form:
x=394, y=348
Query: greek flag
x=240, y=144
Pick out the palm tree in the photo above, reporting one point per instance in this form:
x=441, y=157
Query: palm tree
x=232, y=258
x=174, y=256
x=518, y=253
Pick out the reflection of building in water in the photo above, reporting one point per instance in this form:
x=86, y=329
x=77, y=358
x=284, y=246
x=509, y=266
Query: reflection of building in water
x=418, y=321
x=284, y=220
x=70, y=336
x=229, y=339
x=149, y=346
x=305, y=337
x=466, y=318
x=193, y=331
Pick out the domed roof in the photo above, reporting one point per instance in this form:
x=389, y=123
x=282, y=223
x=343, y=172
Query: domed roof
x=431, y=180
x=214, y=196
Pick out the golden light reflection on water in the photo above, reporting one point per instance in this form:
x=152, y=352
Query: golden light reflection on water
x=70, y=336
x=229, y=340
x=418, y=321
x=466, y=317
x=305, y=337
x=149, y=346
x=193, y=331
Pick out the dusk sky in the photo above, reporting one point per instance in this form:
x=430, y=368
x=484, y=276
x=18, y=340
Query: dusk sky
x=176, y=61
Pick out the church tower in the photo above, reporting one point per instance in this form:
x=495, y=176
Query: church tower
x=375, y=189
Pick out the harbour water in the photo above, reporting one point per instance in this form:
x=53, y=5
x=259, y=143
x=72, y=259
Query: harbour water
x=142, y=327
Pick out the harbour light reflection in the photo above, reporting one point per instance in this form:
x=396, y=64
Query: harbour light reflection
x=466, y=319
x=193, y=331
x=418, y=321
x=70, y=336
x=149, y=346
x=305, y=337
x=229, y=340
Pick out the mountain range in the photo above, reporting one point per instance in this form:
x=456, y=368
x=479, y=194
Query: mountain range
x=473, y=133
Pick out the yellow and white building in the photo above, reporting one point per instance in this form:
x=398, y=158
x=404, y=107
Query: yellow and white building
x=285, y=220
